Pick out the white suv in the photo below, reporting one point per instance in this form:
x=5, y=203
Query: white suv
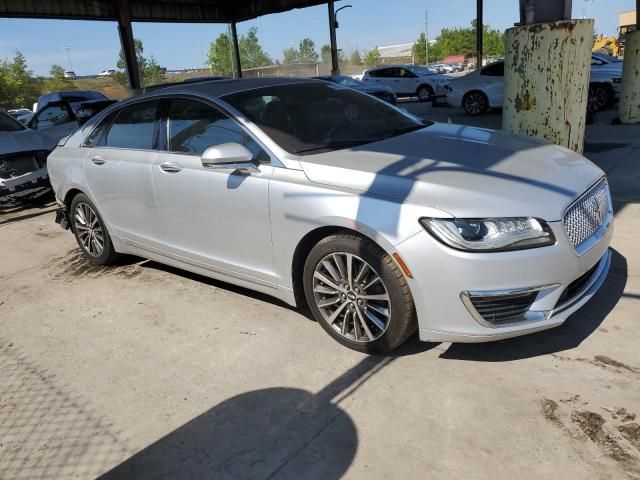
x=409, y=81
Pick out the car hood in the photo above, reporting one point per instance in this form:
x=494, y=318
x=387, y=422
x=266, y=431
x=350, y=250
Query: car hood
x=465, y=171
x=24, y=141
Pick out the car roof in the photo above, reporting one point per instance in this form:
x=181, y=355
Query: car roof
x=220, y=88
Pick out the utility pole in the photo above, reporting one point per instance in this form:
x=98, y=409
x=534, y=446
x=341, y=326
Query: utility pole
x=67, y=48
x=426, y=37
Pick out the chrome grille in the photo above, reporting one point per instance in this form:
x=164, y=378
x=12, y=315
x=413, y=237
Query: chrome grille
x=590, y=212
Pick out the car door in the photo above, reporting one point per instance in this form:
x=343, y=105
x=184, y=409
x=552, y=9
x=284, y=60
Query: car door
x=216, y=219
x=492, y=78
x=407, y=81
x=381, y=76
x=118, y=170
x=55, y=121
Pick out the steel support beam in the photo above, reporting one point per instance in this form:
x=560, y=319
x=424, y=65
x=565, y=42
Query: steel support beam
x=128, y=45
x=479, y=32
x=237, y=67
x=335, y=66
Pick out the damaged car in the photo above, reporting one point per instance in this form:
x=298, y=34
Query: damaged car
x=23, y=157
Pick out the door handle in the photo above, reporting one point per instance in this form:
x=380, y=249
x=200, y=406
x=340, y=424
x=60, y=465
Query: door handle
x=170, y=167
x=98, y=160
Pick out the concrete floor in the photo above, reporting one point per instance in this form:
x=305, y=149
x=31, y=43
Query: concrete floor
x=143, y=371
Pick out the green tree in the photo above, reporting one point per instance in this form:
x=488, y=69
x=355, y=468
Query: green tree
x=290, y=55
x=372, y=58
x=57, y=81
x=454, y=41
x=325, y=53
x=419, y=50
x=149, y=70
x=219, y=57
x=355, y=58
x=18, y=86
x=251, y=53
x=307, y=51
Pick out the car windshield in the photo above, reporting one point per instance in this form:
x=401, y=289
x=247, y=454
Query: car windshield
x=308, y=118
x=347, y=81
x=424, y=71
x=9, y=124
x=607, y=58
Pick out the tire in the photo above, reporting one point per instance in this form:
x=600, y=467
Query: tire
x=475, y=103
x=90, y=231
x=364, y=320
x=424, y=93
x=600, y=97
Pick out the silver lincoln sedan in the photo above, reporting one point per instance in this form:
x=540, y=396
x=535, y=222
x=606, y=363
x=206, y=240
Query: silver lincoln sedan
x=322, y=196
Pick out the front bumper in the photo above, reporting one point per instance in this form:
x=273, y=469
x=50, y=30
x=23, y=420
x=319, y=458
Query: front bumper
x=442, y=274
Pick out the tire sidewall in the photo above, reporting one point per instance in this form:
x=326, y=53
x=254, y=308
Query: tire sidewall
x=107, y=251
x=464, y=103
x=378, y=260
x=429, y=93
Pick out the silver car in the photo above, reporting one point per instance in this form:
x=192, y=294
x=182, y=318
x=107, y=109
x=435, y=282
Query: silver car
x=319, y=195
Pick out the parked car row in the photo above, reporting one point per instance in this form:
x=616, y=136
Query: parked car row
x=323, y=196
x=483, y=89
x=409, y=81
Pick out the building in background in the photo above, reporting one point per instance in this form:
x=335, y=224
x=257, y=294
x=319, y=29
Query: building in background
x=401, y=53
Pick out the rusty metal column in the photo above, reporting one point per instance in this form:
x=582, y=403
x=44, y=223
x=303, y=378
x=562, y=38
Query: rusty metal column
x=237, y=68
x=128, y=46
x=335, y=67
x=630, y=96
x=546, y=77
x=479, y=33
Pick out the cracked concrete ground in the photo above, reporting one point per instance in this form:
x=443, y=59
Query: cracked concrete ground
x=143, y=371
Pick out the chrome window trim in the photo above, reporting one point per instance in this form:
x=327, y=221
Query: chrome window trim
x=591, y=241
x=530, y=316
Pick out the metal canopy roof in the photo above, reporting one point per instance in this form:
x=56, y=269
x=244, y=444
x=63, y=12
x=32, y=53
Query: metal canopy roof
x=173, y=11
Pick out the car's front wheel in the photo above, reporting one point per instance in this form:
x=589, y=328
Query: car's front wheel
x=425, y=93
x=475, y=103
x=91, y=231
x=600, y=97
x=358, y=294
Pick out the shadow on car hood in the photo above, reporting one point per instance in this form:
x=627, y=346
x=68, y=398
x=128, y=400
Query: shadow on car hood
x=466, y=171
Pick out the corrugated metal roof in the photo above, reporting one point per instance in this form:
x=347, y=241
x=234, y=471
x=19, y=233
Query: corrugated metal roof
x=393, y=51
x=174, y=11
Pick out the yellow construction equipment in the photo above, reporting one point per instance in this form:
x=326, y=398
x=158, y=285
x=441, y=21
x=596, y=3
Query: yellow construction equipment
x=608, y=45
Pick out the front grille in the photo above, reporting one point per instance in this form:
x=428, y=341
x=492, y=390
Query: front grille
x=503, y=309
x=584, y=217
x=577, y=285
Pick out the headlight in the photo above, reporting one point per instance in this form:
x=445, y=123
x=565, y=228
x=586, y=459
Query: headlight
x=490, y=234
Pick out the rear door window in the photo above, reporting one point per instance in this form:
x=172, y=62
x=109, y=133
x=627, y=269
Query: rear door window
x=134, y=127
x=495, y=70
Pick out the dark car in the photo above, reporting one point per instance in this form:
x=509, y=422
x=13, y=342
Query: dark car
x=380, y=91
x=73, y=97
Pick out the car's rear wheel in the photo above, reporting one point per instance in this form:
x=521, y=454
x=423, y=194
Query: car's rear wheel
x=425, y=93
x=600, y=97
x=91, y=232
x=475, y=103
x=358, y=294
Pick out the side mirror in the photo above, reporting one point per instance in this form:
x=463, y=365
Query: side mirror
x=231, y=156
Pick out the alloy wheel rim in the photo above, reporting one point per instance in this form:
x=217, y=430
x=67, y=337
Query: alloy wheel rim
x=423, y=94
x=599, y=98
x=89, y=230
x=351, y=297
x=475, y=103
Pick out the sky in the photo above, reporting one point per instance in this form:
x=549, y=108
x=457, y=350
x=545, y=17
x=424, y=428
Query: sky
x=94, y=45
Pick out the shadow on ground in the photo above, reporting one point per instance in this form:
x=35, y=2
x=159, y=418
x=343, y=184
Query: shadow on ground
x=263, y=434
x=565, y=337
